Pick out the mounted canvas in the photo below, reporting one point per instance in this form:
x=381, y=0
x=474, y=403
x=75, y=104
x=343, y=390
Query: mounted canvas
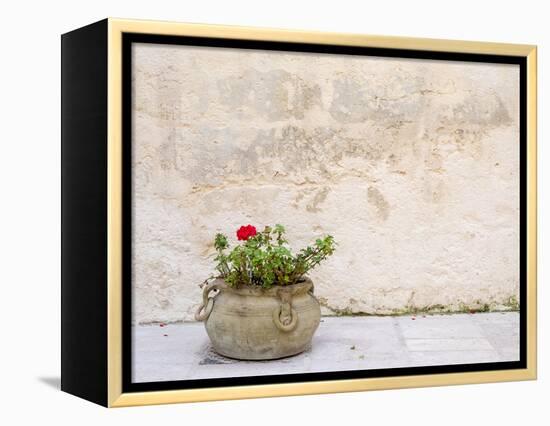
x=383, y=190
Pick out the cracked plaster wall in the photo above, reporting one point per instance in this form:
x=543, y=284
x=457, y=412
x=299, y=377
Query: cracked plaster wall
x=412, y=165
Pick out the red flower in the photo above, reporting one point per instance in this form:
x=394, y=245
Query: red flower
x=245, y=232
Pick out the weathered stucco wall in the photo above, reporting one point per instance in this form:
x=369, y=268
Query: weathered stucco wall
x=412, y=165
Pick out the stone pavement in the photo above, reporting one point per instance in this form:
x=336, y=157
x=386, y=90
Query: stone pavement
x=182, y=351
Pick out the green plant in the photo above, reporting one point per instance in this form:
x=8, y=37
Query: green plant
x=265, y=259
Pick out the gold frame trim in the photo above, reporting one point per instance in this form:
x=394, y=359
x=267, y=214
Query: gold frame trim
x=116, y=27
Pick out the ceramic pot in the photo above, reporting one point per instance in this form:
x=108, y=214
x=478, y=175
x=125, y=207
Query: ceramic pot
x=253, y=323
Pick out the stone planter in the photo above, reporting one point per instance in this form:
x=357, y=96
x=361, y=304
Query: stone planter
x=252, y=323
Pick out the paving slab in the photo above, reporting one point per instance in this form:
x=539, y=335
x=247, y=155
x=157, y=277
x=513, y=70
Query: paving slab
x=182, y=351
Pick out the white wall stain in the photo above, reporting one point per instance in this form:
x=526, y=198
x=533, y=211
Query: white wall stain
x=412, y=165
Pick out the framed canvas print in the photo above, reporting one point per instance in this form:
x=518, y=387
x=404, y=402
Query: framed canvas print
x=251, y=212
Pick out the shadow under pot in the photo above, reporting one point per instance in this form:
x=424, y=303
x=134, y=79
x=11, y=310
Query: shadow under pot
x=254, y=323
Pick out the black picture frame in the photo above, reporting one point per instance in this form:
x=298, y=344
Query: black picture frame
x=87, y=357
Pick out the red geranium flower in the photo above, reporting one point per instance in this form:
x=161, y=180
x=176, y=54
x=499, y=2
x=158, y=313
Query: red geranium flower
x=245, y=232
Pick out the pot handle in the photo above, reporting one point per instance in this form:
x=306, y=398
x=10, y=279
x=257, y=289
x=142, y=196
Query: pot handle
x=207, y=302
x=285, y=317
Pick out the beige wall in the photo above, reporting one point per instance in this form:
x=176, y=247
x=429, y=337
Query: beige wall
x=412, y=165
